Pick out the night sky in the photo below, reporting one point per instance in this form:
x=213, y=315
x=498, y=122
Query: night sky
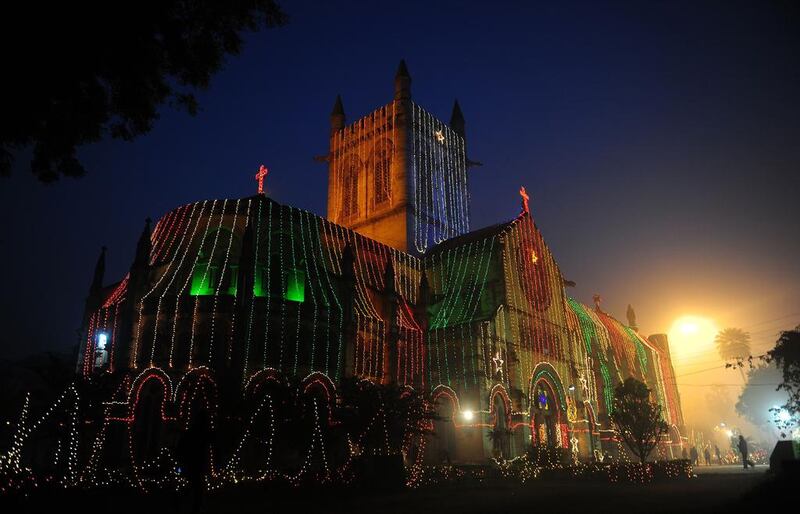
x=659, y=141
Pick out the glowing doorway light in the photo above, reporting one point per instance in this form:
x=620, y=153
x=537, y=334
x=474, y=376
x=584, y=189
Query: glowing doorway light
x=102, y=340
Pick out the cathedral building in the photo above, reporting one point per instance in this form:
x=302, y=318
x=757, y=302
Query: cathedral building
x=393, y=286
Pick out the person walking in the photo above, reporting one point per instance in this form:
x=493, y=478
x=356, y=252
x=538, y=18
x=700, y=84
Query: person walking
x=719, y=457
x=743, y=450
x=707, y=455
x=693, y=455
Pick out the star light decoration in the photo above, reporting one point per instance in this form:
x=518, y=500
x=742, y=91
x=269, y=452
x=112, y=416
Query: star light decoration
x=575, y=451
x=498, y=363
x=584, y=384
x=439, y=136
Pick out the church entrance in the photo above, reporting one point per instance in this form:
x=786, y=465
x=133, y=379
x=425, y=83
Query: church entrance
x=443, y=448
x=545, y=417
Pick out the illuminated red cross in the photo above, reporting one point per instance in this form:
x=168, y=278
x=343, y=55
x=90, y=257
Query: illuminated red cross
x=525, y=198
x=260, y=176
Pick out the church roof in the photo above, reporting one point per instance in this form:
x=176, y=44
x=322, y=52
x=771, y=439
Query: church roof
x=469, y=237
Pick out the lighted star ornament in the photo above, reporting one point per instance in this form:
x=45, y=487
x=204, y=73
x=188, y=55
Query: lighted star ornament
x=498, y=363
x=584, y=384
x=439, y=136
x=260, y=176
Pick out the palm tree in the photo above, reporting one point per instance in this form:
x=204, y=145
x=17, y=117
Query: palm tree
x=733, y=344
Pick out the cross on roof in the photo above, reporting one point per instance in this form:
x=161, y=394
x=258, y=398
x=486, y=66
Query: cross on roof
x=525, y=198
x=260, y=176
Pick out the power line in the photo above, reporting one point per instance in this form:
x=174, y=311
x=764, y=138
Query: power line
x=725, y=385
x=775, y=319
x=701, y=371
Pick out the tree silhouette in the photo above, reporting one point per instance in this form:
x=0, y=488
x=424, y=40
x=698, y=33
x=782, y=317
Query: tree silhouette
x=732, y=344
x=637, y=419
x=786, y=356
x=76, y=72
x=760, y=395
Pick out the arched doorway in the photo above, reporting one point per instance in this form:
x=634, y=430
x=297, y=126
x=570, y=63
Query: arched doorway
x=595, y=446
x=545, y=416
x=148, y=417
x=443, y=448
x=548, y=408
x=501, y=436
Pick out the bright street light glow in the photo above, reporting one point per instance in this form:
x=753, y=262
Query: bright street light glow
x=691, y=339
x=468, y=415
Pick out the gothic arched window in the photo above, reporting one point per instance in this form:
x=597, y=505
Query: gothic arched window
x=350, y=174
x=542, y=398
x=382, y=178
x=213, y=261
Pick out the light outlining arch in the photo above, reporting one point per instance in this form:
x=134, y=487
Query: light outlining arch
x=406, y=391
x=319, y=380
x=136, y=390
x=674, y=430
x=189, y=377
x=123, y=390
x=545, y=371
x=500, y=390
x=260, y=378
x=591, y=418
x=450, y=394
x=196, y=380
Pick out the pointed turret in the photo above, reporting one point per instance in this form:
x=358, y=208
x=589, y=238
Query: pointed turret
x=234, y=359
x=597, y=300
x=99, y=272
x=388, y=278
x=347, y=294
x=348, y=261
x=393, y=325
x=143, y=247
x=457, y=122
x=337, y=115
x=424, y=288
x=402, y=82
x=244, y=285
x=631, y=315
x=421, y=308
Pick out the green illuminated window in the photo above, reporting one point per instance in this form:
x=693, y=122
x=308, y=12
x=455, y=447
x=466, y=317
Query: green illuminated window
x=260, y=281
x=233, y=280
x=295, y=286
x=219, y=251
x=206, y=279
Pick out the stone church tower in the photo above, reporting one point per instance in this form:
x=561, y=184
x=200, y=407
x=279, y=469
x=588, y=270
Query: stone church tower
x=398, y=174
